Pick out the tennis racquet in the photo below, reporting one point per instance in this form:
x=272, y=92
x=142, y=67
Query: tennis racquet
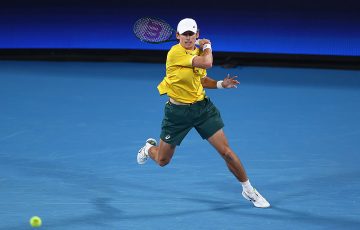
x=154, y=30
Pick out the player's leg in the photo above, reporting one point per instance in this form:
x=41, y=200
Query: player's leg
x=220, y=143
x=209, y=125
x=162, y=154
x=174, y=128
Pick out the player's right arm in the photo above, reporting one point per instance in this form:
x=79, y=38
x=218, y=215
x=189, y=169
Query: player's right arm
x=205, y=60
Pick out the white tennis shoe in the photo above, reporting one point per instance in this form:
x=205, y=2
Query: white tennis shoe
x=256, y=198
x=143, y=155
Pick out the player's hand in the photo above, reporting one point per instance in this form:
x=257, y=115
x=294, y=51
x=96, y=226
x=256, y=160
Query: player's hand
x=203, y=41
x=230, y=82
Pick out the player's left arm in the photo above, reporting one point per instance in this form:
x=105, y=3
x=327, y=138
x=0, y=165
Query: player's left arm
x=228, y=82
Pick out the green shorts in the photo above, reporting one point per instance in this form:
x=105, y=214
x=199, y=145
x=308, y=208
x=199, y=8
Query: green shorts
x=180, y=119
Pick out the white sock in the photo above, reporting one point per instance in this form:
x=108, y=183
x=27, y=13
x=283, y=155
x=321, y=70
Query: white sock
x=147, y=147
x=247, y=186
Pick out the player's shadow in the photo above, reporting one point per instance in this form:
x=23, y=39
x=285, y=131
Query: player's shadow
x=105, y=213
x=279, y=213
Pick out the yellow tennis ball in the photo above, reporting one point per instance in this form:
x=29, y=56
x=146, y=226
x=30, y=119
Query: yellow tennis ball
x=35, y=222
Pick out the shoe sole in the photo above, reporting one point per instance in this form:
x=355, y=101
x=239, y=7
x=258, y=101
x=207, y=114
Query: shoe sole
x=140, y=162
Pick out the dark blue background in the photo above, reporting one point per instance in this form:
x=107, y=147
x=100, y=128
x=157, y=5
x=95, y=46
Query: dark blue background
x=258, y=26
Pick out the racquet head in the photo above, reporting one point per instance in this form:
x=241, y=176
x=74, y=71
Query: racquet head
x=153, y=30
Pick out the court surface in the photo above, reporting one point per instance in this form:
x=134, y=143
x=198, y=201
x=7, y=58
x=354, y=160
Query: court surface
x=70, y=132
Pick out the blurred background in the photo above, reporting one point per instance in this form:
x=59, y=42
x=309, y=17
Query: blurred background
x=281, y=30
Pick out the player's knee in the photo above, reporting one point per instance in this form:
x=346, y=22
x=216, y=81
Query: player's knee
x=228, y=156
x=226, y=153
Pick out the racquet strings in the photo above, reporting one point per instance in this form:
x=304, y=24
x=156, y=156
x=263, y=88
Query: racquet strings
x=152, y=30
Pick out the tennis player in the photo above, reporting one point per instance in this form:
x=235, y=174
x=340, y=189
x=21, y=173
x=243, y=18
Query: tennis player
x=188, y=106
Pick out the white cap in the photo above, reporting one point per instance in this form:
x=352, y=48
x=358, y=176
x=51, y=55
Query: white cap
x=187, y=24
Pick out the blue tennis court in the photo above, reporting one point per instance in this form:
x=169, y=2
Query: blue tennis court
x=70, y=132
